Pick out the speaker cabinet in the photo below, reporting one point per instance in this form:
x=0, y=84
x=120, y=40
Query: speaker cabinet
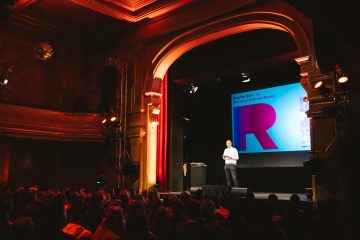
x=213, y=191
x=239, y=192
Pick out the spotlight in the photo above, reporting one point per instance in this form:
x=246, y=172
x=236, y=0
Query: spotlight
x=245, y=77
x=193, y=88
x=343, y=79
x=340, y=75
x=322, y=89
x=113, y=119
x=103, y=121
x=318, y=84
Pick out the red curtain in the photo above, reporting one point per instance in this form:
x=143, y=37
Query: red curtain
x=161, y=146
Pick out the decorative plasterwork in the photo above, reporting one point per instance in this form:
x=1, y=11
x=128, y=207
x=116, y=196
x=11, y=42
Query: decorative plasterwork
x=132, y=10
x=131, y=5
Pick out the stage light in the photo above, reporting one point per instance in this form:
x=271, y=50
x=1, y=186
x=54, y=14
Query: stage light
x=193, y=88
x=103, y=121
x=340, y=75
x=322, y=89
x=245, y=77
x=343, y=79
x=318, y=84
x=113, y=119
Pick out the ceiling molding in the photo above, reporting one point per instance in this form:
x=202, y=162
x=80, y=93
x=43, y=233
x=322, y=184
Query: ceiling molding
x=132, y=10
x=132, y=5
x=20, y=4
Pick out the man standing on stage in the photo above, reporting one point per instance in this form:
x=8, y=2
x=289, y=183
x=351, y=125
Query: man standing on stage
x=230, y=156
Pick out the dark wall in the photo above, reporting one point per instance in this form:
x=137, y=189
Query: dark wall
x=50, y=163
x=69, y=81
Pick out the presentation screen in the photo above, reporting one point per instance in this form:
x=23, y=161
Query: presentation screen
x=270, y=120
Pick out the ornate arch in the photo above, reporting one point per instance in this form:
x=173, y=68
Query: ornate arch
x=223, y=28
x=300, y=31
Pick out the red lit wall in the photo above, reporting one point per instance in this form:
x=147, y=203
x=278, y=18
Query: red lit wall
x=54, y=84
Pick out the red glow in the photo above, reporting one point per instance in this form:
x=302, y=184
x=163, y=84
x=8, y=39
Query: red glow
x=113, y=119
x=26, y=122
x=161, y=145
x=306, y=99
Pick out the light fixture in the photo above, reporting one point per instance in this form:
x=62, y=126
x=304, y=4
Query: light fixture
x=245, y=77
x=343, y=79
x=193, y=88
x=6, y=71
x=156, y=111
x=104, y=121
x=113, y=119
x=43, y=51
x=340, y=75
x=153, y=114
x=321, y=88
x=3, y=80
x=154, y=121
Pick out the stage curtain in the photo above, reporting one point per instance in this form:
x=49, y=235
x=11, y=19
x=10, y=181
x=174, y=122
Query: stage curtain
x=161, y=149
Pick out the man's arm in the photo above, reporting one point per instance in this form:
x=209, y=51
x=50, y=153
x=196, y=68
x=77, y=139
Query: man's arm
x=224, y=156
x=234, y=154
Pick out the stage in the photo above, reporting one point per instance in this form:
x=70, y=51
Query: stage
x=260, y=195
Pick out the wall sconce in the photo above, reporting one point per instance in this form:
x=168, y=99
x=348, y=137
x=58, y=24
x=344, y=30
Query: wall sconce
x=43, y=51
x=109, y=121
x=6, y=70
x=153, y=114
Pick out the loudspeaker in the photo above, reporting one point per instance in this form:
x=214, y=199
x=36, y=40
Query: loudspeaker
x=194, y=189
x=213, y=191
x=239, y=192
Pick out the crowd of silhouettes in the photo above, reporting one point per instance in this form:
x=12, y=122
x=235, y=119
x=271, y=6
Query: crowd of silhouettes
x=46, y=213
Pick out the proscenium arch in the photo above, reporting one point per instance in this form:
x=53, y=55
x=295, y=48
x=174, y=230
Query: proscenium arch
x=224, y=28
x=300, y=31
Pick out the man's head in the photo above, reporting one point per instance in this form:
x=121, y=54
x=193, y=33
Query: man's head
x=228, y=143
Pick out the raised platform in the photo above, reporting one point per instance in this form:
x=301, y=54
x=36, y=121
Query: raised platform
x=261, y=195
x=281, y=196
